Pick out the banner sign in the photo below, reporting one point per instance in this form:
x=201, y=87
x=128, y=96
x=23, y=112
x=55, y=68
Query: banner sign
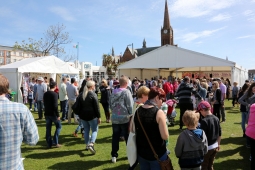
x=207, y=74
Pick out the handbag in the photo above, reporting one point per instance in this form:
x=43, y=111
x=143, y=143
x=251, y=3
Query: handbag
x=131, y=143
x=77, y=105
x=164, y=165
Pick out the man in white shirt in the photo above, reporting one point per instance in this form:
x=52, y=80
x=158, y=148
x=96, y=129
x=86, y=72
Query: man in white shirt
x=63, y=98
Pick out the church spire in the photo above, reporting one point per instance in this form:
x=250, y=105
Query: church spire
x=166, y=23
x=112, y=51
x=144, y=43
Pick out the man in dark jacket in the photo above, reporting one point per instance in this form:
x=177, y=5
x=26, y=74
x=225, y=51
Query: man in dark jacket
x=184, y=96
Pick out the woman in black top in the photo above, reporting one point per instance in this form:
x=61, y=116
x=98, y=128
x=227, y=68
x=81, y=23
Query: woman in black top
x=50, y=99
x=243, y=108
x=89, y=114
x=216, y=99
x=105, y=95
x=154, y=123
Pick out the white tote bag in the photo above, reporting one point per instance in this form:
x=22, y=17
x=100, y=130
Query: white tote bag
x=131, y=143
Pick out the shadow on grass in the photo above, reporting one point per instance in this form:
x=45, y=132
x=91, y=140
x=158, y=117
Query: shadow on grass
x=52, y=153
x=233, y=140
x=88, y=165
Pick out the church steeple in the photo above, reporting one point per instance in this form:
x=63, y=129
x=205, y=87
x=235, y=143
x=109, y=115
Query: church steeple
x=144, y=43
x=166, y=24
x=167, y=36
x=112, y=51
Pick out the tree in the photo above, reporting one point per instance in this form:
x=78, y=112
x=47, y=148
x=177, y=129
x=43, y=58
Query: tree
x=53, y=43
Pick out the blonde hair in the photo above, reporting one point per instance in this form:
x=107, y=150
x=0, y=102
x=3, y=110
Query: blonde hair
x=217, y=85
x=89, y=84
x=204, y=85
x=143, y=90
x=105, y=82
x=190, y=118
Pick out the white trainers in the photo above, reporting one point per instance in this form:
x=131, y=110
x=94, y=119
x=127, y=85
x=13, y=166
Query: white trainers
x=114, y=159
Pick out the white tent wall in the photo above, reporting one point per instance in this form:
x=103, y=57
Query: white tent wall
x=48, y=64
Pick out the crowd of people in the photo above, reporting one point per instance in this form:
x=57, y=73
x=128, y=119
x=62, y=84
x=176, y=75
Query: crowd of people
x=139, y=106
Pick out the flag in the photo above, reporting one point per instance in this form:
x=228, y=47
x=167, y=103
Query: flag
x=75, y=46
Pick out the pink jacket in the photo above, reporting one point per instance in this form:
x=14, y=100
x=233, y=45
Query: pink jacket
x=250, y=129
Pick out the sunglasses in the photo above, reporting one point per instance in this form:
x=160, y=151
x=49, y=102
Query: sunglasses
x=102, y=82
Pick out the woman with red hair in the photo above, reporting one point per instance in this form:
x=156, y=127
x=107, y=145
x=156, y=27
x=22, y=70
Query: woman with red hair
x=153, y=120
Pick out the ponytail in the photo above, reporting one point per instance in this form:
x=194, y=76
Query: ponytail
x=85, y=92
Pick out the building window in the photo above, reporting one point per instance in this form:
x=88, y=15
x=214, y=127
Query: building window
x=8, y=53
x=8, y=61
x=1, y=60
x=1, y=53
x=27, y=55
x=20, y=54
x=14, y=52
x=14, y=60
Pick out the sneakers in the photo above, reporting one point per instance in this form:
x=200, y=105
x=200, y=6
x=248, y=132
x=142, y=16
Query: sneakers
x=87, y=148
x=75, y=135
x=114, y=159
x=57, y=145
x=91, y=149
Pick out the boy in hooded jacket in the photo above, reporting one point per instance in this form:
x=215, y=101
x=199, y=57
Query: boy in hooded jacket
x=192, y=143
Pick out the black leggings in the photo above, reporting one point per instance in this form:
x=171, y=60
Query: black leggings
x=234, y=100
x=216, y=110
x=183, y=108
x=106, y=110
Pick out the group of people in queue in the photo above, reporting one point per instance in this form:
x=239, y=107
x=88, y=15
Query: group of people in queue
x=196, y=146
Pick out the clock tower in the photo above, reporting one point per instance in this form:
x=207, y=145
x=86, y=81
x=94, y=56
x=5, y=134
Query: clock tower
x=167, y=34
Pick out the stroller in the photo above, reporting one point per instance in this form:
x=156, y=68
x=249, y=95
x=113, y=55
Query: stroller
x=171, y=112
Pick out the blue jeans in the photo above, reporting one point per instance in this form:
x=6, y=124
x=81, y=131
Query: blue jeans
x=150, y=165
x=244, y=117
x=117, y=131
x=40, y=109
x=87, y=125
x=49, y=120
x=35, y=106
x=64, y=109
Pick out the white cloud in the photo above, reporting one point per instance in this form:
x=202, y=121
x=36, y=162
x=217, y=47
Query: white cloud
x=246, y=36
x=63, y=13
x=197, y=8
x=195, y=35
x=220, y=17
x=248, y=13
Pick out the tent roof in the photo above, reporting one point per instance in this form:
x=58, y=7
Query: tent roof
x=175, y=57
x=46, y=64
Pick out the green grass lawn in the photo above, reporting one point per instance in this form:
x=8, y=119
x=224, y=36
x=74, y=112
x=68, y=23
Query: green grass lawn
x=72, y=155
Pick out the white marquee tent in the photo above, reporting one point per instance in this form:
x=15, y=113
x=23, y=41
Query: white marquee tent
x=174, y=60
x=47, y=64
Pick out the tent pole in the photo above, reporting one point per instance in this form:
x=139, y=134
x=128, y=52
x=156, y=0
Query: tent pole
x=158, y=73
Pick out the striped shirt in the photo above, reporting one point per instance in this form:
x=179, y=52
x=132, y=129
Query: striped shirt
x=16, y=125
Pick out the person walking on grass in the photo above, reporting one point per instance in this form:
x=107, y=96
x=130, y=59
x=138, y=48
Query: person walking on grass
x=41, y=89
x=184, y=96
x=50, y=99
x=210, y=124
x=89, y=114
x=223, y=89
x=250, y=129
x=63, y=98
x=72, y=93
x=17, y=125
x=105, y=97
x=121, y=104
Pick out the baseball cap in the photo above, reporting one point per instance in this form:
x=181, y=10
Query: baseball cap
x=203, y=105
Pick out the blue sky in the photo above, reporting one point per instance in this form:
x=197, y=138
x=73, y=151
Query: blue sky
x=216, y=27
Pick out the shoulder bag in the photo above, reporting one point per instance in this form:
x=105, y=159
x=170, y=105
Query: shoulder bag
x=131, y=143
x=77, y=105
x=164, y=165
